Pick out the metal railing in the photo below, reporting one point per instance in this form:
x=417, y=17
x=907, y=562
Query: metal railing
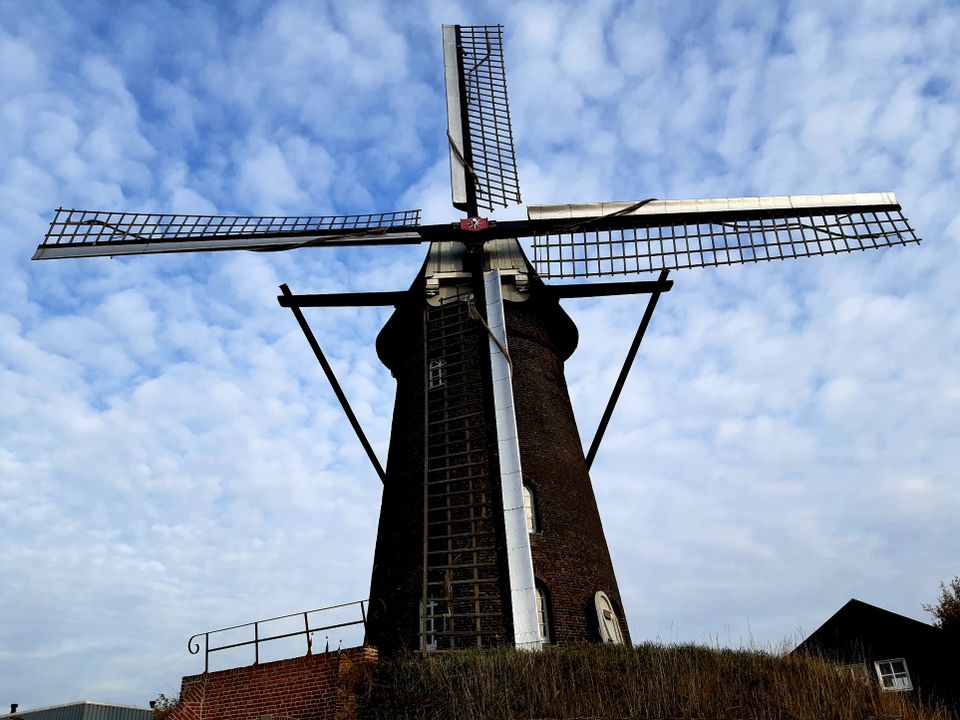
x=193, y=644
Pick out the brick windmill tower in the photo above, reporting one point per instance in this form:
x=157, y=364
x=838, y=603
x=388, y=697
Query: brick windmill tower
x=489, y=530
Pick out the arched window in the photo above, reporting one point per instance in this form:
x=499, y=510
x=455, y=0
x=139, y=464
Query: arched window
x=530, y=509
x=607, y=620
x=543, y=613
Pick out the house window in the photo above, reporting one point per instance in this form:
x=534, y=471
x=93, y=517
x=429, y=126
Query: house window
x=543, y=614
x=893, y=674
x=437, y=372
x=856, y=670
x=529, y=509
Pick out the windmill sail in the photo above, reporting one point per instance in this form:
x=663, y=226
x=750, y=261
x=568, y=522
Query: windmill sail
x=88, y=233
x=602, y=239
x=483, y=168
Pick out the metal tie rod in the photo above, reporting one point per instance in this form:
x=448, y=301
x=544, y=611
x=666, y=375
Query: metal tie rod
x=328, y=371
x=627, y=364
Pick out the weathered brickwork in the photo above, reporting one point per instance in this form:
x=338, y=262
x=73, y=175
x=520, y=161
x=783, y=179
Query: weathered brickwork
x=315, y=687
x=396, y=583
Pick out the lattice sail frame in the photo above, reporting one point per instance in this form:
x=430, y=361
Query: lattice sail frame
x=606, y=239
x=74, y=233
x=481, y=136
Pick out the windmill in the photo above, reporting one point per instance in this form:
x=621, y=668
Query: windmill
x=489, y=531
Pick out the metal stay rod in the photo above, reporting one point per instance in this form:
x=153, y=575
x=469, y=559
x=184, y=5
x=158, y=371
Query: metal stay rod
x=328, y=371
x=361, y=299
x=581, y=290
x=625, y=370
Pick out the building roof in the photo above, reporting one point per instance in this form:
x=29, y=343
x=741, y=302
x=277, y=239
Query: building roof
x=861, y=623
x=82, y=710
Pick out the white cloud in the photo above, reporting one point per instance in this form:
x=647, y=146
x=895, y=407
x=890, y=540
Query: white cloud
x=19, y=65
x=266, y=180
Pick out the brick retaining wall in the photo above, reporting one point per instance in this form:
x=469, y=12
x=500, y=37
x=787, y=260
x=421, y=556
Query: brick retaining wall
x=315, y=687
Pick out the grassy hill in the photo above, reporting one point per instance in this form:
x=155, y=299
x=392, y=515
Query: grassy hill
x=646, y=681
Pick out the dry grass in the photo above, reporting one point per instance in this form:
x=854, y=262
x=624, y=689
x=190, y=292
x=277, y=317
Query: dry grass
x=647, y=681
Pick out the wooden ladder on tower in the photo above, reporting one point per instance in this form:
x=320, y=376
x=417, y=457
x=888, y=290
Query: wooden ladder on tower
x=462, y=605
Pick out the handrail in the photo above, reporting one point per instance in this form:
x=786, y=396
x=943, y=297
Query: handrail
x=193, y=645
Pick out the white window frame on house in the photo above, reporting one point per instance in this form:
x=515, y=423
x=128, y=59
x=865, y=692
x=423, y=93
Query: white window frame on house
x=891, y=678
x=530, y=508
x=436, y=373
x=543, y=614
x=857, y=670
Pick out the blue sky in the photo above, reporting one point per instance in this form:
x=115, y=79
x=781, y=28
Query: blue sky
x=171, y=458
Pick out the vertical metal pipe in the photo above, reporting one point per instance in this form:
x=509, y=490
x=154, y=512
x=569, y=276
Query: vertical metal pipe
x=523, y=608
x=256, y=643
x=206, y=653
x=625, y=370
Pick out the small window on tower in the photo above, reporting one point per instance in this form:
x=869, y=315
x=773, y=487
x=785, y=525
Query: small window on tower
x=607, y=620
x=543, y=614
x=529, y=509
x=432, y=622
x=438, y=371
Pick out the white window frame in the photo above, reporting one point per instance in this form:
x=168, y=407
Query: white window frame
x=432, y=621
x=609, y=623
x=530, y=508
x=543, y=614
x=900, y=681
x=857, y=670
x=436, y=373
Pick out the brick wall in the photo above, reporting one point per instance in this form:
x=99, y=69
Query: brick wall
x=315, y=687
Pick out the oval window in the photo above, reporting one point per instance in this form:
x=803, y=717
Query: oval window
x=607, y=619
